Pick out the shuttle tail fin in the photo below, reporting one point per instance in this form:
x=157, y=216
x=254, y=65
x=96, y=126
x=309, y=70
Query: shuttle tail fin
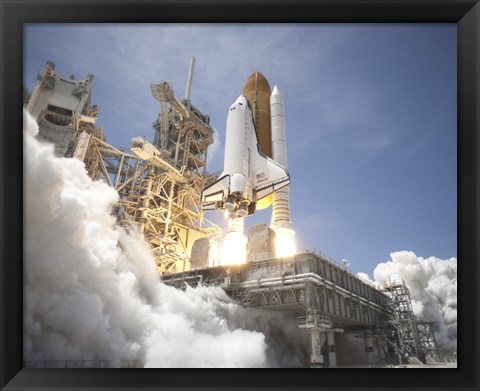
x=268, y=176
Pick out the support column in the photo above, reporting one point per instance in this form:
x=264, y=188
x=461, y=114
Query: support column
x=368, y=339
x=381, y=348
x=143, y=201
x=316, y=340
x=332, y=355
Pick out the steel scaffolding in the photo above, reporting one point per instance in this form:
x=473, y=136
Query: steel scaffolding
x=160, y=187
x=427, y=340
x=414, y=338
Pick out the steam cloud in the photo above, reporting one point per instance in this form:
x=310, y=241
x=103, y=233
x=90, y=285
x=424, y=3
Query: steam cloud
x=91, y=291
x=433, y=289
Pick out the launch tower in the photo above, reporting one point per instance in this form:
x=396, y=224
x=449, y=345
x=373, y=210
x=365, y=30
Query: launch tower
x=168, y=207
x=159, y=185
x=415, y=338
x=63, y=111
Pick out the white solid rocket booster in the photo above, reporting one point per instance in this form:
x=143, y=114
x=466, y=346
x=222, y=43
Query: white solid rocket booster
x=281, y=201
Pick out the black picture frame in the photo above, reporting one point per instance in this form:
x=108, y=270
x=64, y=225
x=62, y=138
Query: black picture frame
x=15, y=13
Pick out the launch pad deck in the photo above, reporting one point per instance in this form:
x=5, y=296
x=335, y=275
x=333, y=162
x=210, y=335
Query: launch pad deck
x=300, y=283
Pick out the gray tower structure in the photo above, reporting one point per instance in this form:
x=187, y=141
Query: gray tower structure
x=414, y=338
x=63, y=111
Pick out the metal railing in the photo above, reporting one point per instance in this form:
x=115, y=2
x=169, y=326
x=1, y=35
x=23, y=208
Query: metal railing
x=83, y=364
x=314, y=321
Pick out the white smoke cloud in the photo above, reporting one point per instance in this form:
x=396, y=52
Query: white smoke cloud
x=288, y=345
x=433, y=289
x=91, y=290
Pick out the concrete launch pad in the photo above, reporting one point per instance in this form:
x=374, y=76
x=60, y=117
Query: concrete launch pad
x=301, y=282
x=330, y=303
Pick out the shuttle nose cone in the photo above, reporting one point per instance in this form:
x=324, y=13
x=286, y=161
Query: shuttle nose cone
x=241, y=99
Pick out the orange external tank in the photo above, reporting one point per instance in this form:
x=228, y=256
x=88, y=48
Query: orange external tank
x=257, y=91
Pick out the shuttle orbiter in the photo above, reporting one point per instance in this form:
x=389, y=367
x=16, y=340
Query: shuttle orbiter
x=248, y=174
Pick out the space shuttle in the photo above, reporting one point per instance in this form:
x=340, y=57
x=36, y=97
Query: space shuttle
x=249, y=175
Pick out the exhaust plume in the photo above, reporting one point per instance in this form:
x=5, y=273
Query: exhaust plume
x=91, y=290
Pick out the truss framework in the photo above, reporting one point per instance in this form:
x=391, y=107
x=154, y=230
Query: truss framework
x=159, y=197
x=414, y=338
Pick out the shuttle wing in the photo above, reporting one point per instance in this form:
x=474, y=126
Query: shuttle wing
x=216, y=192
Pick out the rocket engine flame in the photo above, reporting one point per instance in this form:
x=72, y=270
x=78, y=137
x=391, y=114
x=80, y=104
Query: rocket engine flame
x=285, y=243
x=234, y=244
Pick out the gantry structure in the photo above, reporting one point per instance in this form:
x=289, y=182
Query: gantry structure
x=63, y=111
x=159, y=184
x=414, y=338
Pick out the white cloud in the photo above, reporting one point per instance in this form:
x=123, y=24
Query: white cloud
x=92, y=291
x=433, y=288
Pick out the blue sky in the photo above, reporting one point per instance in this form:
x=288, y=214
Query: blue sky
x=370, y=114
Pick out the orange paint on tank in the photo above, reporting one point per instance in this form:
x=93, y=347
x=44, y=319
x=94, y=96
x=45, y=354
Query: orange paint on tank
x=257, y=91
